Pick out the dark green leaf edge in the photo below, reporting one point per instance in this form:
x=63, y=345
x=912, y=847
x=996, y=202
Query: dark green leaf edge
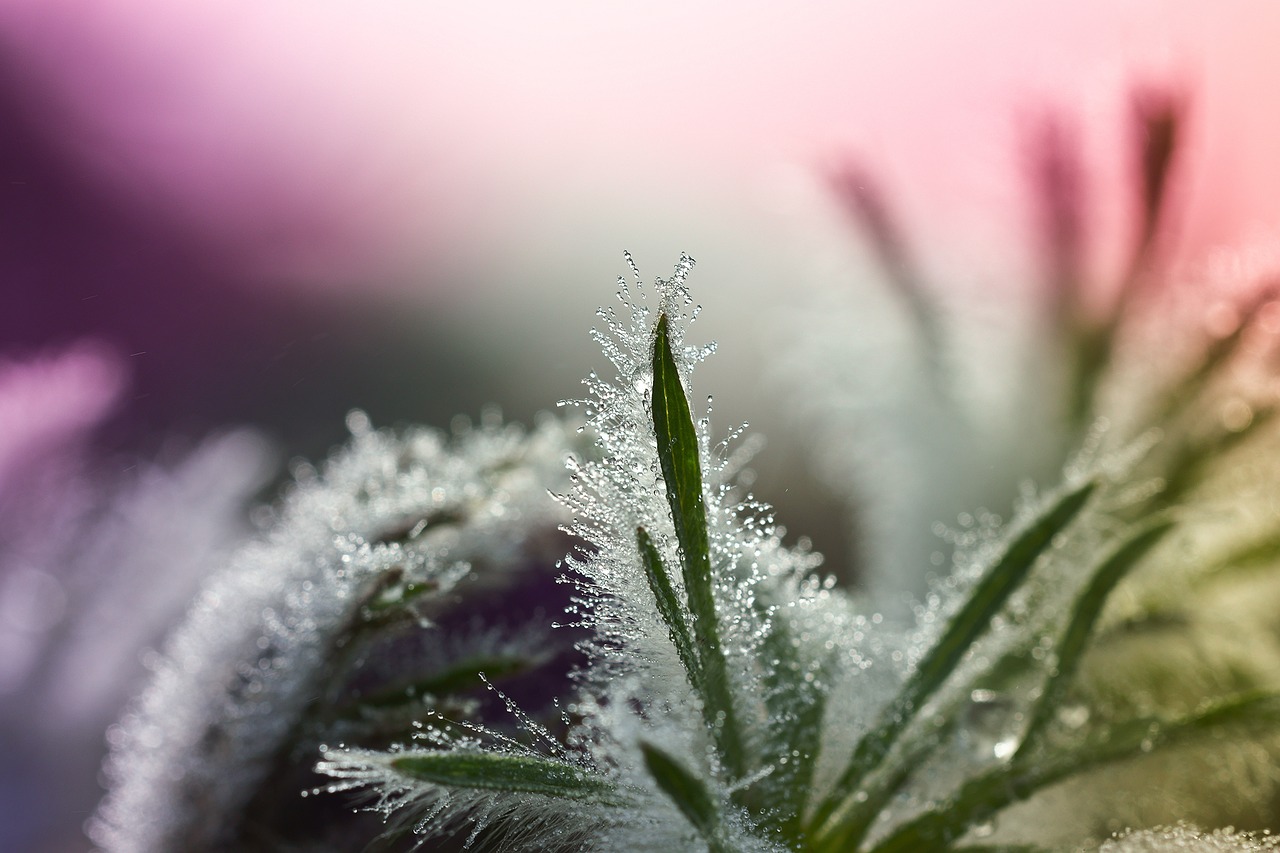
x=466, y=674
x=983, y=796
x=678, y=455
x=992, y=591
x=688, y=793
x=1070, y=648
x=669, y=608
x=493, y=771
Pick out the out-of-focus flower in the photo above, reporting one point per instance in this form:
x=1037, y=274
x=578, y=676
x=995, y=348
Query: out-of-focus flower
x=94, y=568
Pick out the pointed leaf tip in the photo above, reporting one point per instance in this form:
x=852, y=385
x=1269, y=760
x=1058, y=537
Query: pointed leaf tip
x=687, y=791
x=678, y=455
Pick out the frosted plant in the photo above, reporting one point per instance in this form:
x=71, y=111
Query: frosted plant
x=696, y=684
x=733, y=700
x=366, y=561
x=1177, y=359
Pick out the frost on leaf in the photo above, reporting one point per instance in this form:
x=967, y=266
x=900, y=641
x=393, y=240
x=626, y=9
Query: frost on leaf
x=707, y=639
x=722, y=697
x=1185, y=839
x=361, y=560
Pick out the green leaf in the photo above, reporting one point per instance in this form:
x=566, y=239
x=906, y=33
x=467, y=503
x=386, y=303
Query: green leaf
x=884, y=786
x=1084, y=615
x=1160, y=119
x=686, y=791
x=794, y=701
x=399, y=595
x=971, y=622
x=465, y=675
x=1192, y=460
x=494, y=771
x=983, y=796
x=678, y=455
x=669, y=606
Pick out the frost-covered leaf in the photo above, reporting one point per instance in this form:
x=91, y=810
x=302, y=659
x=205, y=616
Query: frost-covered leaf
x=999, y=581
x=984, y=795
x=678, y=452
x=1080, y=624
x=686, y=791
x=501, y=772
x=288, y=622
x=664, y=597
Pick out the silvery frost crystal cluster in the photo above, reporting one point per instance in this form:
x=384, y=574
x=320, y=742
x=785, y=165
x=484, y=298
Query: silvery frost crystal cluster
x=406, y=657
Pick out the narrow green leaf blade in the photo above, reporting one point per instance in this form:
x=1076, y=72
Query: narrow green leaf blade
x=678, y=455
x=972, y=620
x=682, y=473
x=795, y=702
x=983, y=796
x=496, y=771
x=466, y=674
x=1084, y=615
x=1259, y=554
x=685, y=790
x=669, y=607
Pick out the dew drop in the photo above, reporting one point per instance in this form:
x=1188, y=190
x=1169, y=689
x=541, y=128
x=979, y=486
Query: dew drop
x=1073, y=716
x=991, y=728
x=358, y=423
x=1005, y=747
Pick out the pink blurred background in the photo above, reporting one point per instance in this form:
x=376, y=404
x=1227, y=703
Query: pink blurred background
x=182, y=175
x=266, y=214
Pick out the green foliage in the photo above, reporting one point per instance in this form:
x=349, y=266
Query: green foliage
x=760, y=779
x=502, y=772
x=678, y=454
x=688, y=792
x=718, y=689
